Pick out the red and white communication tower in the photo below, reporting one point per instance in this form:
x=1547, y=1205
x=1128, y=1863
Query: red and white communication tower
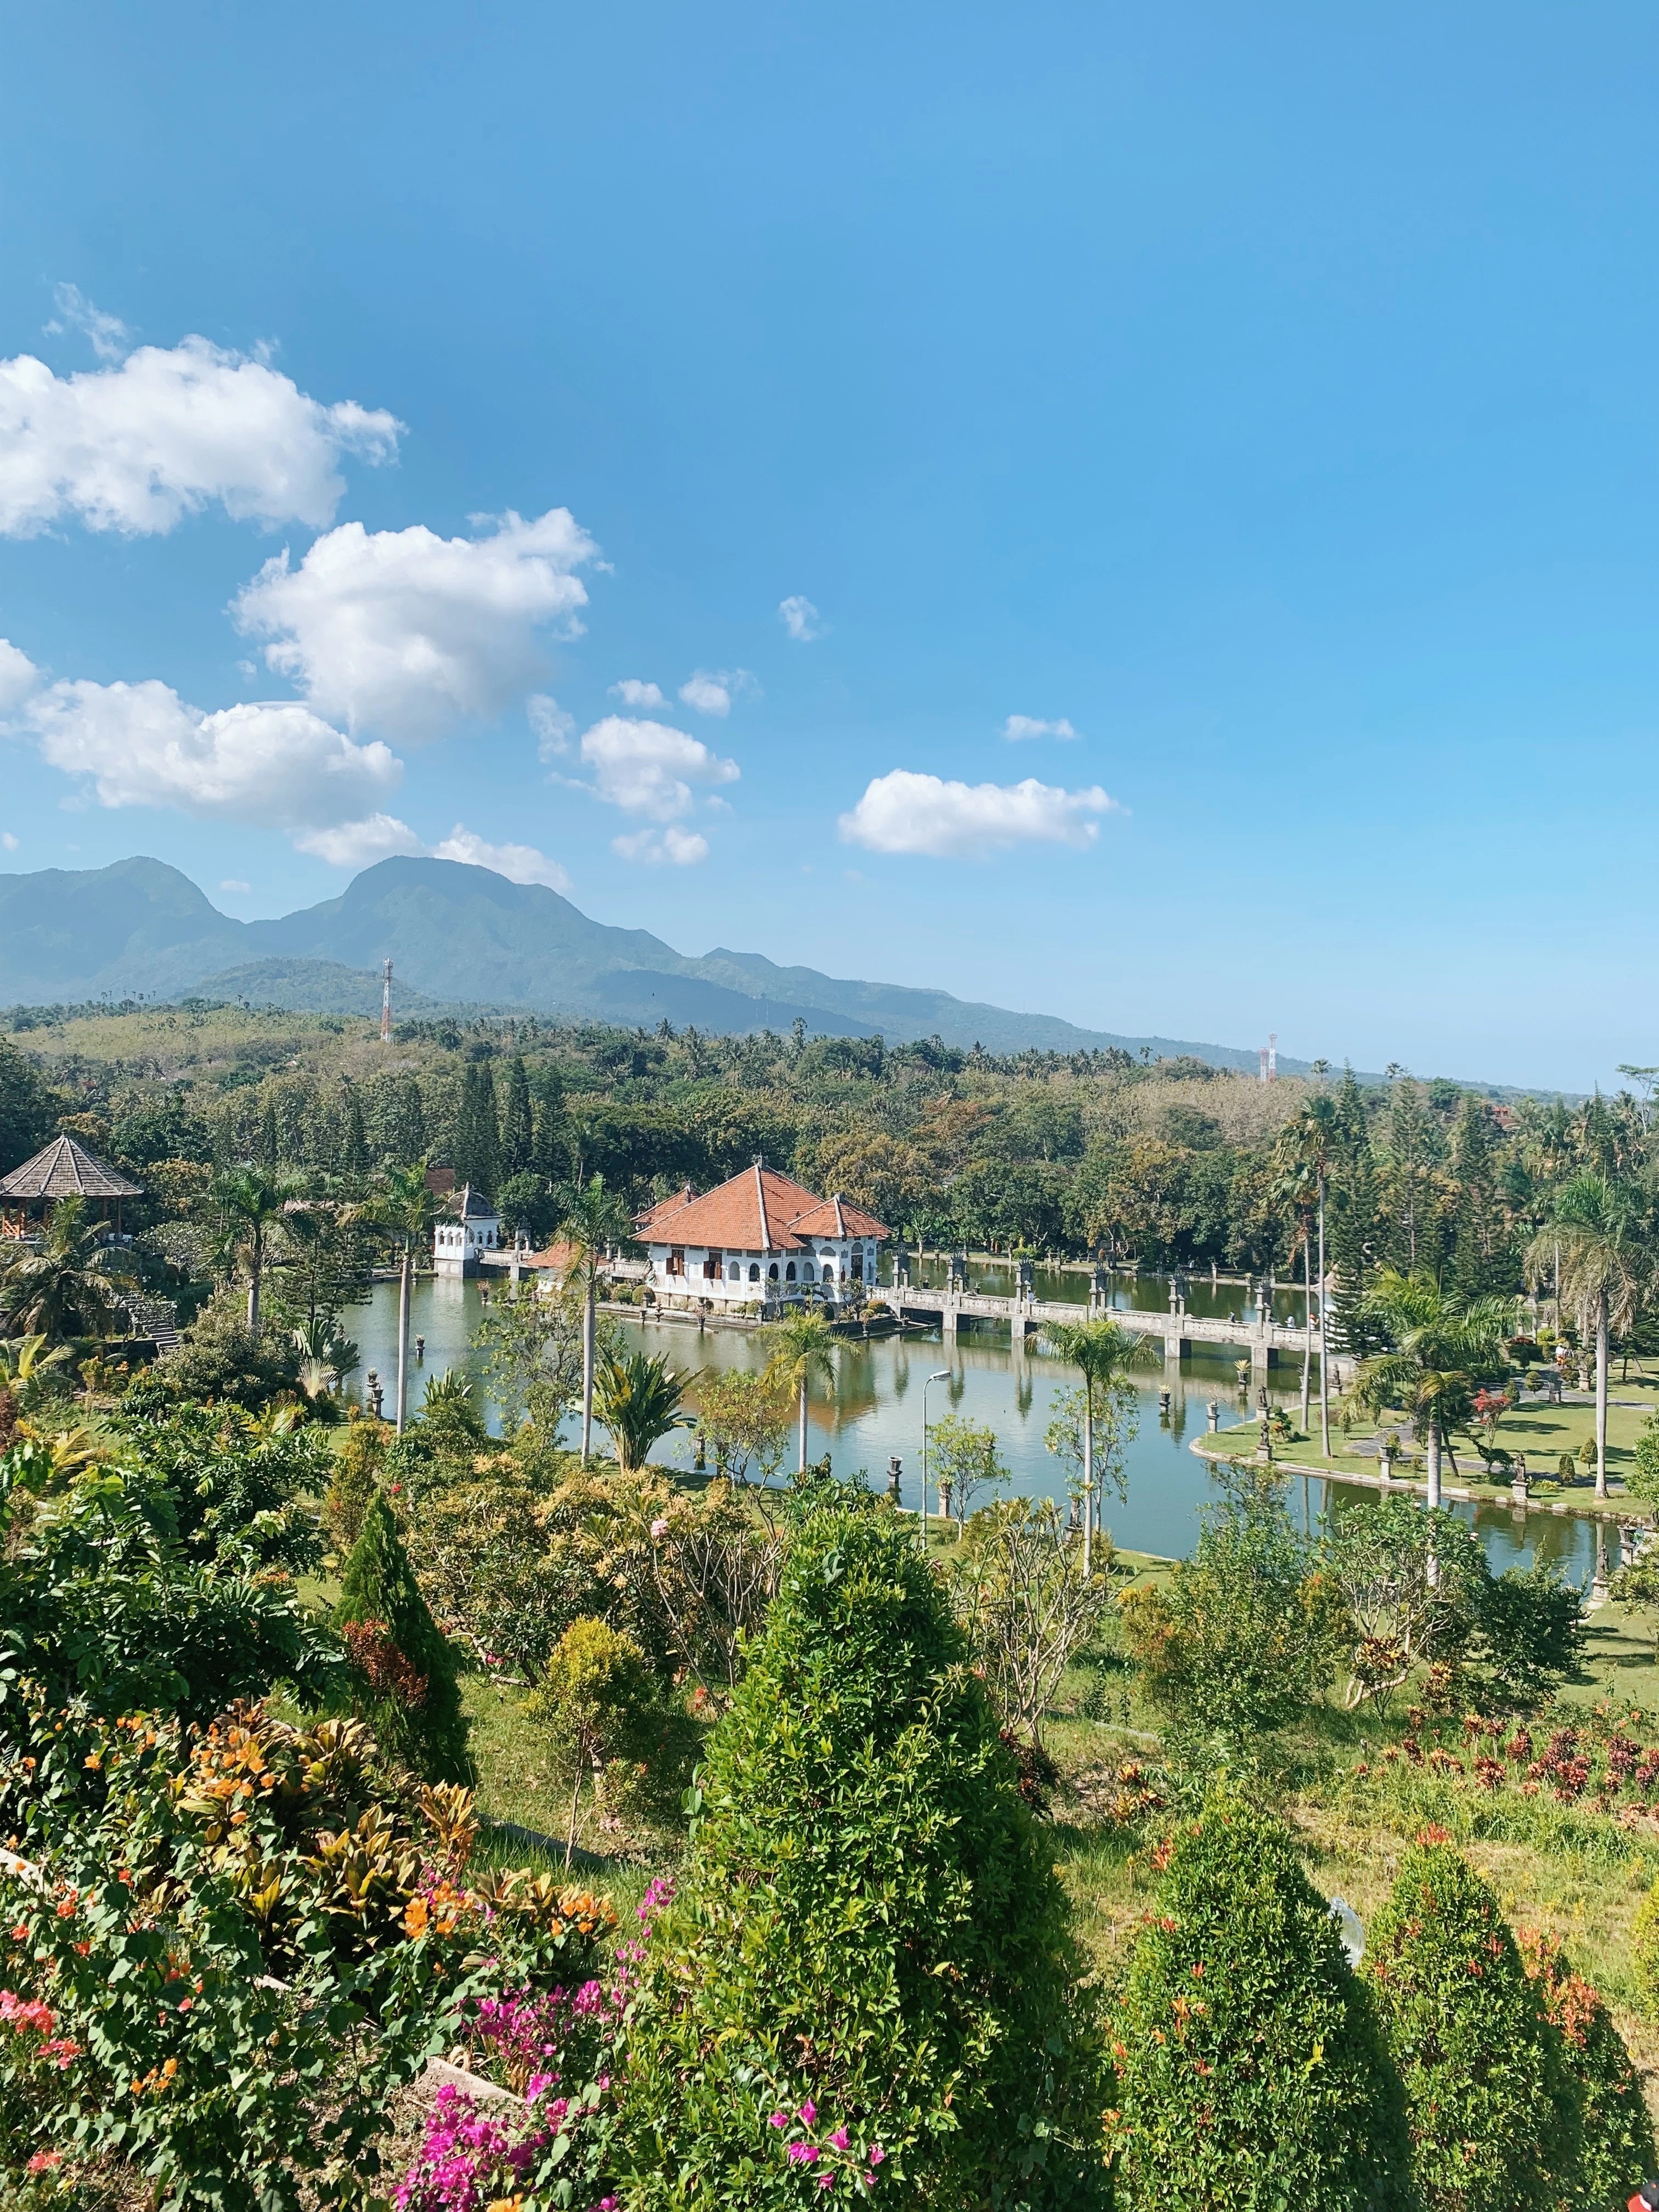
x=1268, y=1057
x=385, y=1005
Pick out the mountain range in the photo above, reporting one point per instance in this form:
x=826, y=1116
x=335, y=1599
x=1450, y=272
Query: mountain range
x=462, y=936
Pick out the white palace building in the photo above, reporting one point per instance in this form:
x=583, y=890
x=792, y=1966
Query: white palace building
x=760, y=1239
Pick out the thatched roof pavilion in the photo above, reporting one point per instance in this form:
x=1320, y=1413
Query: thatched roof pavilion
x=63, y=1169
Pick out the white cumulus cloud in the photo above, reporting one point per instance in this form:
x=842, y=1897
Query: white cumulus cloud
x=275, y=764
x=801, y=618
x=234, y=884
x=8, y=841
x=554, y=728
x=633, y=692
x=1027, y=726
x=408, y=632
x=905, y=813
x=677, y=848
x=137, y=446
x=360, y=844
x=18, y=676
x=711, y=690
x=648, y=768
x=520, y=864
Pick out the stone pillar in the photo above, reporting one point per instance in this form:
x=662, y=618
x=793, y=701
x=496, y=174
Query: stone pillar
x=947, y=1321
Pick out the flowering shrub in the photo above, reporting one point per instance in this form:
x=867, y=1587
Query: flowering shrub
x=243, y=1953
x=869, y=1953
x=1251, y=2068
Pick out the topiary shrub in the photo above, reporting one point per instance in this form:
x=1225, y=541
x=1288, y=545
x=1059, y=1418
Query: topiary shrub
x=406, y=1669
x=868, y=1973
x=1489, y=2100
x=358, y=1458
x=1615, y=2135
x=1252, y=2069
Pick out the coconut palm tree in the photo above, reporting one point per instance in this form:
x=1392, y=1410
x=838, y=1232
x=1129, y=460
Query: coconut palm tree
x=639, y=1398
x=1441, y=1345
x=1595, y=1241
x=804, y=1353
x=591, y=1220
x=62, y=1287
x=406, y=1206
x=251, y=1203
x=1309, y=1145
x=1103, y=1353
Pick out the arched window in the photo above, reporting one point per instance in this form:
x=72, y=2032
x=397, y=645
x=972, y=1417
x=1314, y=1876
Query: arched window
x=734, y=1273
x=806, y=1272
x=828, y=1271
x=789, y=1273
x=772, y=1273
x=754, y=1271
x=857, y=1266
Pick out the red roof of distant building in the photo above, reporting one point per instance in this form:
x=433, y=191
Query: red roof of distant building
x=757, y=1210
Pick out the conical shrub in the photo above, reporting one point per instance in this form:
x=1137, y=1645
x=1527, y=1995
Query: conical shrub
x=1615, y=2147
x=1251, y=2069
x=868, y=1971
x=1491, y=2110
x=406, y=1669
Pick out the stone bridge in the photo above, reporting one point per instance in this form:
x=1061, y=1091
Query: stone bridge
x=1269, y=1343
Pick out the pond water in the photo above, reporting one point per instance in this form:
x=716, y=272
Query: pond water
x=875, y=1413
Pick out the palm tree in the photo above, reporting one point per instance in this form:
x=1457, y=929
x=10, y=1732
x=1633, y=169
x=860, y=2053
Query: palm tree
x=1310, y=1143
x=251, y=1203
x=639, y=1397
x=405, y=1205
x=1103, y=1353
x=62, y=1281
x=1441, y=1344
x=804, y=1353
x=592, y=1220
x=1594, y=1240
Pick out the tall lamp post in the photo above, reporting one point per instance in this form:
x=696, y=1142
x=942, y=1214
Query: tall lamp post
x=943, y=1375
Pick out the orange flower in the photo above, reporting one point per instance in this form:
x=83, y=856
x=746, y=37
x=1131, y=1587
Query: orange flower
x=415, y=1917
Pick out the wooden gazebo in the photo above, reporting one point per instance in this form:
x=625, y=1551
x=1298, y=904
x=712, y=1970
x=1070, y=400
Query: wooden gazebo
x=64, y=1169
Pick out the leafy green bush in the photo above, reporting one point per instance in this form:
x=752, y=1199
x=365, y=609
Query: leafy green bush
x=406, y=1669
x=1489, y=2096
x=1244, y=1634
x=355, y=1476
x=216, y=1359
x=1252, y=2070
x=1615, y=2135
x=868, y=1969
x=598, y=1703
x=235, y=1481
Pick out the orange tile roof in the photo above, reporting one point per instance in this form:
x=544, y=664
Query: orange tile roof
x=757, y=1210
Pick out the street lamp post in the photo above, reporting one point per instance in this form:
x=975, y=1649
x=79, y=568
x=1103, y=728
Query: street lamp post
x=943, y=1375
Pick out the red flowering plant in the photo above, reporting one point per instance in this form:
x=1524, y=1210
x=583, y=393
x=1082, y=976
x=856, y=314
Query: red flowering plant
x=245, y=1953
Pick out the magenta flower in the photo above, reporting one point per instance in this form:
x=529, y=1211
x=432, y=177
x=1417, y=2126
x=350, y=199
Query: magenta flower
x=779, y=2119
x=840, y=2138
x=809, y=2112
x=802, y=2153
x=877, y=2153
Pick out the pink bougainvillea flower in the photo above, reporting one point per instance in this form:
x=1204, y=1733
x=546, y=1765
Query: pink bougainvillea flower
x=779, y=2119
x=877, y=2153
x=841, y=2139
x=802, y=2153
x=809, y=2112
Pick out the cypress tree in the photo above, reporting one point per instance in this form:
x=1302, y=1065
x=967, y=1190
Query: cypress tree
x=548, y=1155
x=269, y=1143
x=406, y=1669
x=1252, y=2067
x=868, y=1971
x=518, y=1129
x=477, y=1141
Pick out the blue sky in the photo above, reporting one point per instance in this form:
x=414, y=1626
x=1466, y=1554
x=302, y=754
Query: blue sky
x=1268, y=399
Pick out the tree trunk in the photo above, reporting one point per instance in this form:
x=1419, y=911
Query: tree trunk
x=1324, y=1349
x=1601, y=1395
x=575, y=1800
x=1434, y=1466
x=801, y=1413
x=1088, y=1475
x=1307, y=1321
x=255, y=1267
x=403, y=1343
x=587, y=1372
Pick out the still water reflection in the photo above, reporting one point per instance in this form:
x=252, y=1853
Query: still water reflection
x=875, y=1413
